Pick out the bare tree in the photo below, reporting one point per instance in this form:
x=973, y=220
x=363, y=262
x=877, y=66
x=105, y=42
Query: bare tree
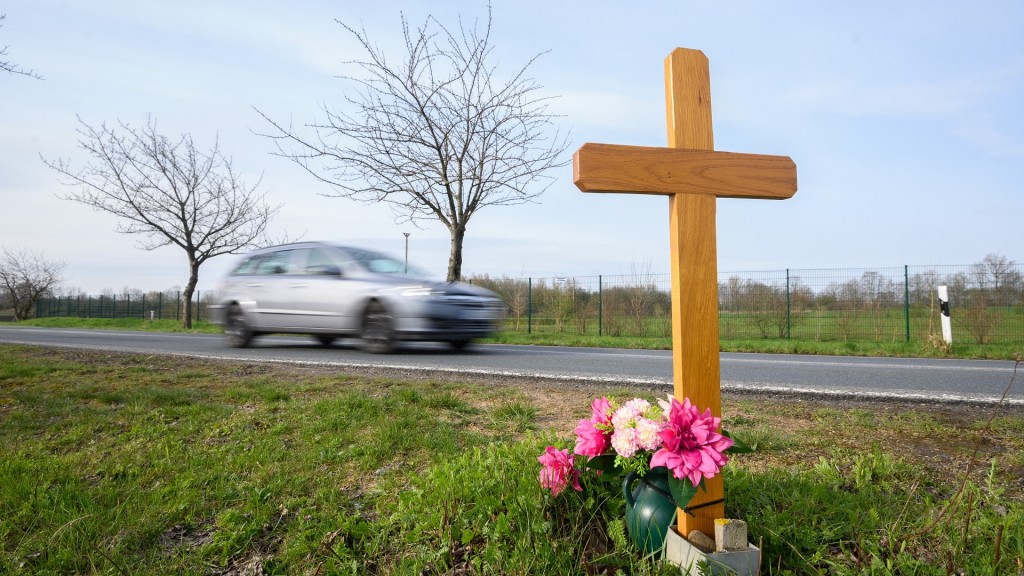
x=11, y=67
x=640, y=295
x=847, y=300
x=28, y=276
x=437, y=134
x=169, y=193
x=996, y=273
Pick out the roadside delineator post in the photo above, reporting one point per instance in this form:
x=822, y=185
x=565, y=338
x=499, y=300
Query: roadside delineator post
x=947, y=328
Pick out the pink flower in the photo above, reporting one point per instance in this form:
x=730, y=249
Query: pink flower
x=635, y=430
x=692, y=446
x=594, y=436
x=558, y=470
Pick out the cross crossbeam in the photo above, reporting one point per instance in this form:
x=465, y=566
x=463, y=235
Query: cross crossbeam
x=647, y=170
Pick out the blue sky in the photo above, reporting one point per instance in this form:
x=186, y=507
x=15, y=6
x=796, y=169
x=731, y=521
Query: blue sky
x=904, y=119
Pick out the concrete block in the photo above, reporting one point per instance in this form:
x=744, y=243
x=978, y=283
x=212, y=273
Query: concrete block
x=689, y=558
x=730, y=535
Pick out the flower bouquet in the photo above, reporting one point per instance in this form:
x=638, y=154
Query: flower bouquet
x=672, y=440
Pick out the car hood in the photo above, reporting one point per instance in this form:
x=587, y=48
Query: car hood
x=402, y=283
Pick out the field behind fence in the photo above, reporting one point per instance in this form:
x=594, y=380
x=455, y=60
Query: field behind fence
x=897, y=304
x=149, y=305
x=877, y=304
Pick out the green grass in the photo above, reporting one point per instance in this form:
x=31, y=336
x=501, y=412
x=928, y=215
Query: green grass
x=122, y=324
x=124, y=464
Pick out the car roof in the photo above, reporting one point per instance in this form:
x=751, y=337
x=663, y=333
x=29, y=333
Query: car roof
x=296, y=245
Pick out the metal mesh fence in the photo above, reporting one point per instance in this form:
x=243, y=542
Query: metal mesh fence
x=877, y=304
x=151, y=305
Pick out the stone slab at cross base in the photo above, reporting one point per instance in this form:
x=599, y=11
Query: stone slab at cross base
x=680, y=552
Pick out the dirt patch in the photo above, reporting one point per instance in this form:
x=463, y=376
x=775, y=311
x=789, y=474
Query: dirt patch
x=183, y=538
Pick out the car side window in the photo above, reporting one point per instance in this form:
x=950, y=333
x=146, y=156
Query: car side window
x=275, y=263
x=247, y=267
x=317, y=263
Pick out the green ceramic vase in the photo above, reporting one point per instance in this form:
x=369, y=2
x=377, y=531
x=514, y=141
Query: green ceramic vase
x=649, y=508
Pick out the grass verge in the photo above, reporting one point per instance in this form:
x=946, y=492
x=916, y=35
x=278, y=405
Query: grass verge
x=119, y=463
x=766, y=346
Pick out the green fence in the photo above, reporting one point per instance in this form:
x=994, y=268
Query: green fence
x=878, y=304
x=151, y=305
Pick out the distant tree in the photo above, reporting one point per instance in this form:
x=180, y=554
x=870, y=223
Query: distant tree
x=765, y=306
x=846, y=301
x=641, y=294
x=996, y=273
x=11, y=67
x=982, y=295
x=27, y=276
x=879, y=299
x=168, y=192
x=437, y=133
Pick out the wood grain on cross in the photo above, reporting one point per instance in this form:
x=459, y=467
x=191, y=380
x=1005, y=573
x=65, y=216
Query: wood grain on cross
x=692, y=175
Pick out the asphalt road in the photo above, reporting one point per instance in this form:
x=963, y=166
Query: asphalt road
x=893, y=378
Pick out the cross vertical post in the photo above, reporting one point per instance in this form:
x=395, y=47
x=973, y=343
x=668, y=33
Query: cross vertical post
x=694, y=266
x=693, y=175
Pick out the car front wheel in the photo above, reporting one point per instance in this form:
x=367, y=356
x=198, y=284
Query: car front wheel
x=237, y=329
x=378, y=329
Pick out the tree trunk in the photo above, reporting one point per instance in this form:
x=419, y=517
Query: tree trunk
x=23, y=308
x=193, y=279
x=455, y=259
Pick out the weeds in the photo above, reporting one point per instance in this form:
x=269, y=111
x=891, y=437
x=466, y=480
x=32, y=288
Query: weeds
x=196, y=467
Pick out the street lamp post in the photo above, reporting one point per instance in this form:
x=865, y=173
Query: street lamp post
x=406, y=252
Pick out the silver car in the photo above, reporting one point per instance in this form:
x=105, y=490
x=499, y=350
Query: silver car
x=333, y=292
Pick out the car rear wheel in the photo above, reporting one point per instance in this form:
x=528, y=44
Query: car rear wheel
x=237, y=329
x=458, y=344
x=378, y=329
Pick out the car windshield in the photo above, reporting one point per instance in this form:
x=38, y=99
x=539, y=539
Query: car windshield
x=381, y=263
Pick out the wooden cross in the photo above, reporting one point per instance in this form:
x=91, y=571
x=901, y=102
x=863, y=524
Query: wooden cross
x=692, y=175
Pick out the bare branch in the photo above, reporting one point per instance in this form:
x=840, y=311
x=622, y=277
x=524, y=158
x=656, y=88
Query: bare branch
x=11, y=67
x=25, y=277
x=437, y=134
x=167, y=192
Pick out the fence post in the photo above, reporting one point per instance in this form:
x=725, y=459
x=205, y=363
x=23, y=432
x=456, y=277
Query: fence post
x=529, y=306
x=906, y=298
x=160, y=306
x=600, y=306
x=789, y=324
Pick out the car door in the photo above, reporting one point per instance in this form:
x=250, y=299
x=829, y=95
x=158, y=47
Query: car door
x=327, y=298
x=274, y=306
